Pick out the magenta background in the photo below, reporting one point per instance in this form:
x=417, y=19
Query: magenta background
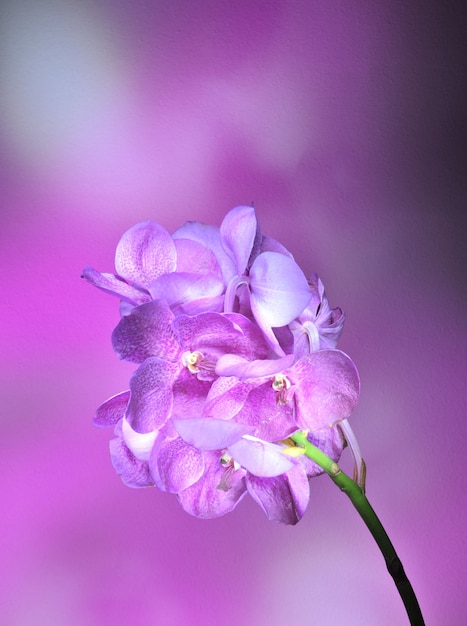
x=344, y=123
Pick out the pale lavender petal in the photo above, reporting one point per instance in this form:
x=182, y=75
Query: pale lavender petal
x=112, y=410
x=238, y=231
x=270, y=418
x=279, y=290
x=189, y=394
x=261, y=458
x=151, y=395
x=178, y=288
x=208, y=236
x=227, y=396
x=326, y=388
x=282, y=498
x=116, y=286
x=196, y=258
x=145, y=252
x=146, y=332
x=234, y=365
x=210, y=434
x=132, y=471
x=205, y=499
x=175, y=465
x=140, y=444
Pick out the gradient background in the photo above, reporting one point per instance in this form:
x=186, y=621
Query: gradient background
x=345, y=124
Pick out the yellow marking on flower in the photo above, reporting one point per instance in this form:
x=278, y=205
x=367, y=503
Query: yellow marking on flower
x=281, y=384
x=192, y=360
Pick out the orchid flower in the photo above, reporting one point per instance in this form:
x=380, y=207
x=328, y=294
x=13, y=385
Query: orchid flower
x=228, y=337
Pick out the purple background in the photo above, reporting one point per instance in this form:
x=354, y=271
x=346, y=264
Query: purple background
x=345, y=124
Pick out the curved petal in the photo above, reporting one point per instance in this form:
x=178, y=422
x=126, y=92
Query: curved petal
x=140, y=444
x=234, y=365
x=112, y=410
x=180, y=287
x=261, y=458
x=116, y=286
x=210, y=434
x=282, y=498
x=132, y=471
x=279, y=290
x=205, y=499
x=145, y=252
x=151, y=395
x=209, y=236
x=326, y=388
x=196, y=258
x=175, y=465
x=146, y=332
x=238, y=231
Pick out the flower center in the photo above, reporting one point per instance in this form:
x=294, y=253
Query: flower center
x=231, y=467
x=192, y=360
x=281, y=384
x=197, y=362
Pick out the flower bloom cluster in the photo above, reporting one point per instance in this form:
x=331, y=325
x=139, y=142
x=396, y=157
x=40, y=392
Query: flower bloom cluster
x=235, y=351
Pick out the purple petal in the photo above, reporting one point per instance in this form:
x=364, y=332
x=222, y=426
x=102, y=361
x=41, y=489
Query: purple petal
x=146, y=332
x=282, y=498
x=116, y=286
x=261, y=458
x=196, y=258
x=112, y=410
x=238, y=231
x=205, y=499
x=227, y=396
x=140, y=444
x=279, y=290
x=145, y=252
x=132, y=471
x=175, y=465
x=210, y=434
x=177, y=288
x=326, y=388
x=209, y=236
x=151, y=395
x=233, y=365
x=269, y=418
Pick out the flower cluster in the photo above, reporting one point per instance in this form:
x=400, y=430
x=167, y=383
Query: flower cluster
x=235, y=352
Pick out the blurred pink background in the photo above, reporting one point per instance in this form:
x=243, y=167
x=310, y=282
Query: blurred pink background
x=345, y=124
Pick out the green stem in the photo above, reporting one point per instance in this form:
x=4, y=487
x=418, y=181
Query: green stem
x=360, y=502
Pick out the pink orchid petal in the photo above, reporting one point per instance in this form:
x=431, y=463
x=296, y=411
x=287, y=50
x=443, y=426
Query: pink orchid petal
x=140, y=444
x=112, y=410
x=327, y=387
x=196, y=258
x=146, y=332
x=116, y=286
x=238, y=231
x=204, y=499
x=209, y=434
x=175, y=465
x=279, y=290
x=260, y=457
x=234, y=365
x=145, y=252
x=209, y=236
x=282, y=498
x=151, y=395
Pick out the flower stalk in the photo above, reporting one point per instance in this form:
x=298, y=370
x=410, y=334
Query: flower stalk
x=366, y=512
